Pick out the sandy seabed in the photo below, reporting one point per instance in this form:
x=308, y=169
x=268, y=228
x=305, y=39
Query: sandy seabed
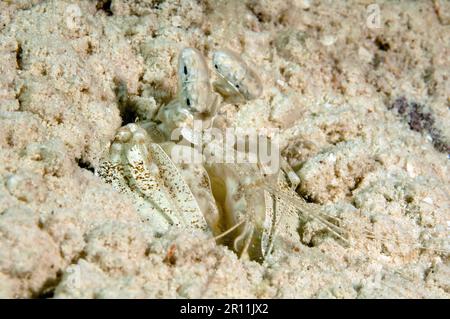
x=363, y=111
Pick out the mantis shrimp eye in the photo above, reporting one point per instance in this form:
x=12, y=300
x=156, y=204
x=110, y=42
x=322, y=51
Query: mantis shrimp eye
x=194, y=89
x=236, y=76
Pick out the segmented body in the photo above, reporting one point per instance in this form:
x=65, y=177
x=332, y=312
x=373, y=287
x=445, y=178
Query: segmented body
x=143, y=170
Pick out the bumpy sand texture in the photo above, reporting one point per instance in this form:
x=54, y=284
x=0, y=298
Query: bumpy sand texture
x=344, y=95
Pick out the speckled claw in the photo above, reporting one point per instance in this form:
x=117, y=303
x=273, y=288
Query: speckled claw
x=143, y=170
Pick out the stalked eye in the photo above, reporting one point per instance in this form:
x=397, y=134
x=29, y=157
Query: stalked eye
x=231, y=69
x=194, y=88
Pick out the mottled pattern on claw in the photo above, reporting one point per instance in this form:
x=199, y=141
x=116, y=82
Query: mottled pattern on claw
x=198, y=180
x=144, y=171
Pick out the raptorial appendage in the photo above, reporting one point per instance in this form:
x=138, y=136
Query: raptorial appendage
x=144, y=171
